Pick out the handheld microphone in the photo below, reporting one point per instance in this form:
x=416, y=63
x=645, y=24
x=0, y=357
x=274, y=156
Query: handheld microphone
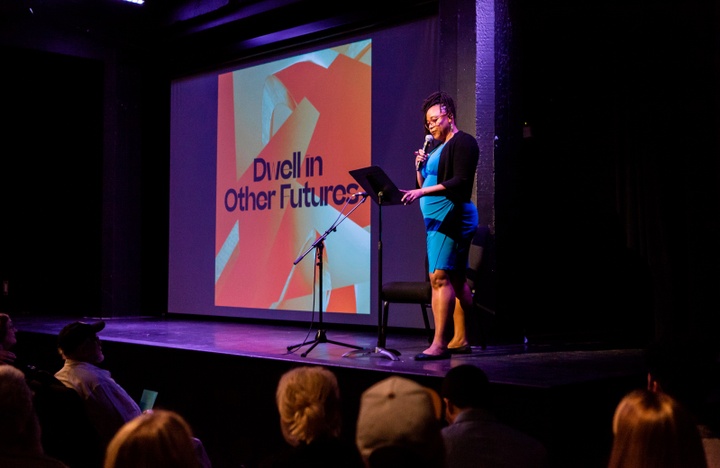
x=359, y=194
x=428, y=140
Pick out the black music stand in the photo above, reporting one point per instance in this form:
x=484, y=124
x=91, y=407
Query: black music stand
x=321, y=335
x=384, y=192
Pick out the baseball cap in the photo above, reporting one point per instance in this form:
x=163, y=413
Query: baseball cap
x=74, y=334
x=398, y=412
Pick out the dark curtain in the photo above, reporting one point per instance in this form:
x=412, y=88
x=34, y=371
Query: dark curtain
x=608, y=200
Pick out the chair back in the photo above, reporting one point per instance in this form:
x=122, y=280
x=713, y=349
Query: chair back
x=67, y=433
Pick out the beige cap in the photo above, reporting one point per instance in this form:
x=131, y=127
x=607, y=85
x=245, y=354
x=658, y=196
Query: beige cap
x=398, y=412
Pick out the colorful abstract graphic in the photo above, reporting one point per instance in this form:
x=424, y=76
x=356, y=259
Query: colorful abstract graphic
x=288, y=133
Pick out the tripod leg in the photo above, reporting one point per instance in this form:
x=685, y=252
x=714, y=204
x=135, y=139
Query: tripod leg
x=299, y=345
x=321, y=337
x=309, y=349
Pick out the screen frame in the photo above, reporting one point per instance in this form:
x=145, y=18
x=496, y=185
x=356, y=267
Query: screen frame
x=400, y=81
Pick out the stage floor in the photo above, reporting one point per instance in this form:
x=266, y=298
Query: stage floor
x=542, y=366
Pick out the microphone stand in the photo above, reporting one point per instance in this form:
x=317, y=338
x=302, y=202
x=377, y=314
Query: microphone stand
x=380, y=348
x=374, y=180
x=319, y=245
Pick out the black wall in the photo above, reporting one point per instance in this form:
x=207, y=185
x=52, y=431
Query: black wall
x=607, y=184
x=50, y=181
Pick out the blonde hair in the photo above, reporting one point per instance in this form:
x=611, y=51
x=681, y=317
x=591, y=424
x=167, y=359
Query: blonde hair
x=653, y=430
x=308, y=400
x=153, y=439
x=19, y=427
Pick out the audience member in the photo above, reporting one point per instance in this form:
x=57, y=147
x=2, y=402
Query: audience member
x=66, y=434
x=308, y=402
x=398, y=426
x=20, y=433
x=474, y=436
x=107, y=405
x=33, y=374
x=653, y=430
x=7, y=339
x=688, y=370
x=159, y=438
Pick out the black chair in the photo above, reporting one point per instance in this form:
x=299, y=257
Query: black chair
x=406, y=292
x=481, y=279
x=67, y=433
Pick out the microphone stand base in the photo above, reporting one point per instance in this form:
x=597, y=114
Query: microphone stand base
x=388, y=353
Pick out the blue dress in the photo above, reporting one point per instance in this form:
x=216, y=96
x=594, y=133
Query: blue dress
x=449, y=227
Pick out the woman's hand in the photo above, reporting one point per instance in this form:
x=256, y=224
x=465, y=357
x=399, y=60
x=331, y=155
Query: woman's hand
x=411, y=195
x=420, y=159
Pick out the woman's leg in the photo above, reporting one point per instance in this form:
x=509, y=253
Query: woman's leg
x=443, y=304
x=463, y=305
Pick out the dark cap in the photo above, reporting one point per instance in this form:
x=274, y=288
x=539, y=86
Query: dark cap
x=74, y=334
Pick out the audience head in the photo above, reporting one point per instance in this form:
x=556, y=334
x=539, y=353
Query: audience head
x=19, y=426
x=653, y=430
x=159, y=438
x=7, y=332
x=398, y=425
x=308, y=400
x=79, y=341
x=466, y=386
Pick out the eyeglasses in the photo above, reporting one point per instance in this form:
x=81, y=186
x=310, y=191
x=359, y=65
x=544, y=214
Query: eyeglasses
x=433, y=121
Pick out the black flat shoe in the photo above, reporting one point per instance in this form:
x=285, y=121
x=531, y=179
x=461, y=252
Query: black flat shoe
x=432, y=357
x=461, y=350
